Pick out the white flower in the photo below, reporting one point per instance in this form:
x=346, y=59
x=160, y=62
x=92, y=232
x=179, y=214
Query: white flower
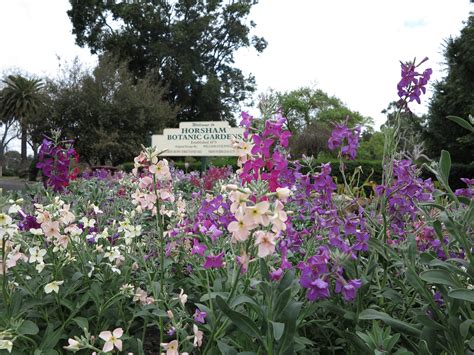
x=5, y=219
x=14, y=209
x=74, y=345
x=36, y=255
x=53, y=286
x=36, y=231
x=183, y=298
x=111, y=339
x=39, y=267
x=6, y=344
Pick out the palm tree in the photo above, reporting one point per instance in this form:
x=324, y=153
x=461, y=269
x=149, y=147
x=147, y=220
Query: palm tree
x=20, y=99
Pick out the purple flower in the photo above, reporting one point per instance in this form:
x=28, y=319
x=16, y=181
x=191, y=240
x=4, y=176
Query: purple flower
x=340, y=133
x=198, y=248
x=413, y=84
x=214, y=261
x=318, y=289
x=276, y=275
x=199, y=316
x=348, y=289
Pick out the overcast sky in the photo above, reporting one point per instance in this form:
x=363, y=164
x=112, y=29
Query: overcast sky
x=347, y=48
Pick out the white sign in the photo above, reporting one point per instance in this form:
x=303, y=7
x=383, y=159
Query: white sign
x=202, y=139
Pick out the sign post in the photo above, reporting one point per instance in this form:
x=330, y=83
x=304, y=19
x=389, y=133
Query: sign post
x=200, y=139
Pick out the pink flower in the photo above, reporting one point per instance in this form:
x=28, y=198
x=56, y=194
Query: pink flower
x=266, y=243
x=51, y=229
x=197, y=336
x=111, y=339
x=240, y=229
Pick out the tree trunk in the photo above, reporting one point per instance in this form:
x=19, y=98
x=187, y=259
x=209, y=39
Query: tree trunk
x=23, y=163
x=2, y=160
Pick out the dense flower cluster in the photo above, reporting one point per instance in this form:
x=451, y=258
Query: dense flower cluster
x=413, y=83
x=404, y=192
x=340, y=134
x=211, y=177
x=55, y=163
x=264, y=156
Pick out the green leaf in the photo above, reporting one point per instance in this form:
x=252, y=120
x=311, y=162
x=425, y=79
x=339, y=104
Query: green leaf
x=289, y=317
x=264, y=272
x=243, y=322
x=465, y=326
x=242, y=299
x=286, y=280
x=445, y=165
x=52, y=337
x=369, y=314
x=213, y=295
x=441, y=277
x=278, y=329
x=226, y=349
x=82, y=322
x=28, y=328
x=462, y=294
x=462, y=122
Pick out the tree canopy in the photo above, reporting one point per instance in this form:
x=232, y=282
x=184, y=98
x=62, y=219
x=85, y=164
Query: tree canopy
x=454, y=95
x=20, y=99
x=107, y=112
x=188, y=45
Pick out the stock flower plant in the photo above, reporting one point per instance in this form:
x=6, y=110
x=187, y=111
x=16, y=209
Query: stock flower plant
x=276, y=258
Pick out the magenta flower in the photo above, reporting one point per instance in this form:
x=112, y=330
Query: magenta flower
x=343, y=133
x=262, y=146
x=413, y=84
x=276, y=275
x=198, y=248
x=214, y=261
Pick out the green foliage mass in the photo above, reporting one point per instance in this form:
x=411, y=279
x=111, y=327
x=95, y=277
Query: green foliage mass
x=188, y=45
x=107, y=112
x=454, y=95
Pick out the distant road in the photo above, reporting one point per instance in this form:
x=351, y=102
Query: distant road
x=13, y=184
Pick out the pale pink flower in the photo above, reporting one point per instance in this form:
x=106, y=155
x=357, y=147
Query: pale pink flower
x=198, y=335
x=161, y=170
x=67, y=217
x=171, y=347
x=43, y=216
x=240, y=229
x=257, y=214
x=145, y=182
x=140, y=295
x=278, y=218
x=238, y=199
x=283, y=193
x=266, y=243
x=111, y=339
x=51, y=229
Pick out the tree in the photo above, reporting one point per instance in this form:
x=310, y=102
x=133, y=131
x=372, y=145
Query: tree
x=311, y=114
x=454, y=95
x=9, y=133
x=20, y=99
x=188, y=45
x=306, y=105
x=108, y=112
